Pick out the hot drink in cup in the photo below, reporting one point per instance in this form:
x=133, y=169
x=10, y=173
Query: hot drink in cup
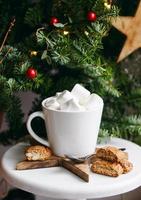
x=72, y=120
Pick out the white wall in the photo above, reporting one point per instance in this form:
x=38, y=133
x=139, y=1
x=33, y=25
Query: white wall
x=27, y=99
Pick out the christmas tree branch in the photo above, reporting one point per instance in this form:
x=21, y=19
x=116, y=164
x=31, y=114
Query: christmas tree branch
x=12, y=23
x=10, y=49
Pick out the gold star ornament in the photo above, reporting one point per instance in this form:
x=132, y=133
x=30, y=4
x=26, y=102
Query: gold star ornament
x=131, y=27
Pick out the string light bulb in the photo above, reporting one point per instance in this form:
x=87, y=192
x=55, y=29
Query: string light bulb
x=33, y=53
x=108, y=4
x=65, y=32
x=86, y=33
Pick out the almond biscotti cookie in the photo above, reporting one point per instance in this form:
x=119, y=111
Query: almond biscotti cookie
x=126, y=165
x=38, y=152
x=111, y=153
x=107, y=168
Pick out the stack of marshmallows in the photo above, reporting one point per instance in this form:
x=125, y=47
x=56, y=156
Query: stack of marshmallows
x=79, y=99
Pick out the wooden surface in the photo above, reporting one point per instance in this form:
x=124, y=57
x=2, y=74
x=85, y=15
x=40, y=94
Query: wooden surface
x=131, y=27
x=81, y=170
x=25, y=165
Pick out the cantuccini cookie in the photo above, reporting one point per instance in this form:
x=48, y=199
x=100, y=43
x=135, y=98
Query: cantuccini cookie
x=111, y=153
x=110, y=161
x=126, y=165
x=107, y=168
x=38, y=152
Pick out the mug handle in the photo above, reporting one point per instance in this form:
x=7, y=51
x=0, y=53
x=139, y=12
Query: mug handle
x=30, y=130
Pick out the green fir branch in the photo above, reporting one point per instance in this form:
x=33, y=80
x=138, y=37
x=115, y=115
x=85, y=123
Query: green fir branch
x=34, y=16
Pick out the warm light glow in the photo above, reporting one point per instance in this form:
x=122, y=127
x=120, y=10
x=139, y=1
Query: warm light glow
x=33, y=53
x=107, y=5
x=86, y=32
x=66, y=32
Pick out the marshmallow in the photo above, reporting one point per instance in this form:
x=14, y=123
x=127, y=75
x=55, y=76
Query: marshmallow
x=64, y=96
x=80, y=93
x=52, y=103
x=71, y=105
x=94, y=101
x=79, y=99
x=55, y=106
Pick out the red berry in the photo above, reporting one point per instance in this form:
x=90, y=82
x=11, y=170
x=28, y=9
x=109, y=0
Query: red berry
x=91, y=16
x=31, y=73
x=54, y=20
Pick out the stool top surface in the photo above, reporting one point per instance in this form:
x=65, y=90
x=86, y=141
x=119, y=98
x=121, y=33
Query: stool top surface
x=57, y=182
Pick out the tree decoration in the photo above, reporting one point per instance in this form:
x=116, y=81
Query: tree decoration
x=31, y=73
x=131, y=27
x=86, y=33
x=91, y=16
x=33, y=53
x=108, y=4
x=65, y=32
x=54, y=20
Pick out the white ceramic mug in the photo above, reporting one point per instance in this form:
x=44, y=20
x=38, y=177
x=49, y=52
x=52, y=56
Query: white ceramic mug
x=69, y=133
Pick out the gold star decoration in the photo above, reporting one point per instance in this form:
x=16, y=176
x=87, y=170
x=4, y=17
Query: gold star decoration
x=131, y=27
